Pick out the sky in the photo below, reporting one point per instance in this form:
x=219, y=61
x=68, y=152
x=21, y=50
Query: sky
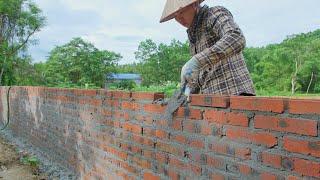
x=120, y=26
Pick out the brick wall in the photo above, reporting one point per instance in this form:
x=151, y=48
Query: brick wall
x=112, y=134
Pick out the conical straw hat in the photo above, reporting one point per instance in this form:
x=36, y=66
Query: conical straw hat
x=173, y=6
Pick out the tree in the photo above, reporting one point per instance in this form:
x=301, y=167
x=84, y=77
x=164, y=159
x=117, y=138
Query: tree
x=292, y=65
x=128, y=68
x=161, y=63
x=146, y=50
x=78, y=63
x=19, y=21
x=27, y=74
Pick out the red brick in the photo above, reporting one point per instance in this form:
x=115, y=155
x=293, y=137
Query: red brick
x=87, y=175
x=198, y=157
x=161, y=134
x=126, y=116
x=291, y=177
x=122, y=155
x=130, y=106
x=200, y=127
x=48, y=90
x=121, y=174
x=177, y=125
x=257, y=104
x=65, y=99
x=195, y=114
x=97, y=175
x=180, y=138
x=80, y=101
x=147, y=96
x=105, y=93
x=215, y=162
x=267, y=176
x=173, y=149
x=149, y=132
x=128, y=167
x=221, y=117
x=118, y=115
x=209, y=100
x=220, y=148
x=175, y=162
x=196, y=143
x=307, y=168
x=173, y=175
x=141, y=162
x=206, y=128
x=245, y=169
x=106, y=112
x=113, y=103
x=147, y=120
x=132, y=127
x=125, y=147
x=243, y=153
x=230, y=150
x=148, y=154
x=83, y=92
x=154, y=108
x=302, y=146
x=196, y=169
x=261, y=138
x=162, y=157
x=117, y=124
x=150, y=176
x=162, y=123
x=217, y=176
x=304, y=106
x=298, y=126
x=271, y=159
x=143, y=140
x=120, y=94
x=191, y=127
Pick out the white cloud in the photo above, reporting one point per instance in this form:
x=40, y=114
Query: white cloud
x=120, y=25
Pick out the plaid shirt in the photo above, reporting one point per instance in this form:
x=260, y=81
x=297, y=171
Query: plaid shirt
x=217, y=42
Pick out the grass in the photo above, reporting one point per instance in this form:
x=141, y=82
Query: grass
x=168, y=88
x=30, y=160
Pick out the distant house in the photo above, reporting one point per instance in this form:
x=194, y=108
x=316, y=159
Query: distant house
x=122, y=77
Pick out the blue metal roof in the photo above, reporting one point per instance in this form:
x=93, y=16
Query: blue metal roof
x=123, y=76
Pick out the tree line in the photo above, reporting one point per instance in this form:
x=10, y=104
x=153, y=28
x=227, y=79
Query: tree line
x=290, y=66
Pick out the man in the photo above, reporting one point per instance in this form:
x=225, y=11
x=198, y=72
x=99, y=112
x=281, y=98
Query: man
x=216, y=44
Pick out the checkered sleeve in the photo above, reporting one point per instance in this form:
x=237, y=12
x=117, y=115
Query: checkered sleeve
x=231, y=38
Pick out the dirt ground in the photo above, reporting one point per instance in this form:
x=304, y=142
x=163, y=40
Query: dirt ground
x=12, y=168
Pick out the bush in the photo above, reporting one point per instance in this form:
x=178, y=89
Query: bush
x=122, y=85
x=168, y=88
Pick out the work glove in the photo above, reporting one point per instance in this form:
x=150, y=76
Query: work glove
x=190, y=74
